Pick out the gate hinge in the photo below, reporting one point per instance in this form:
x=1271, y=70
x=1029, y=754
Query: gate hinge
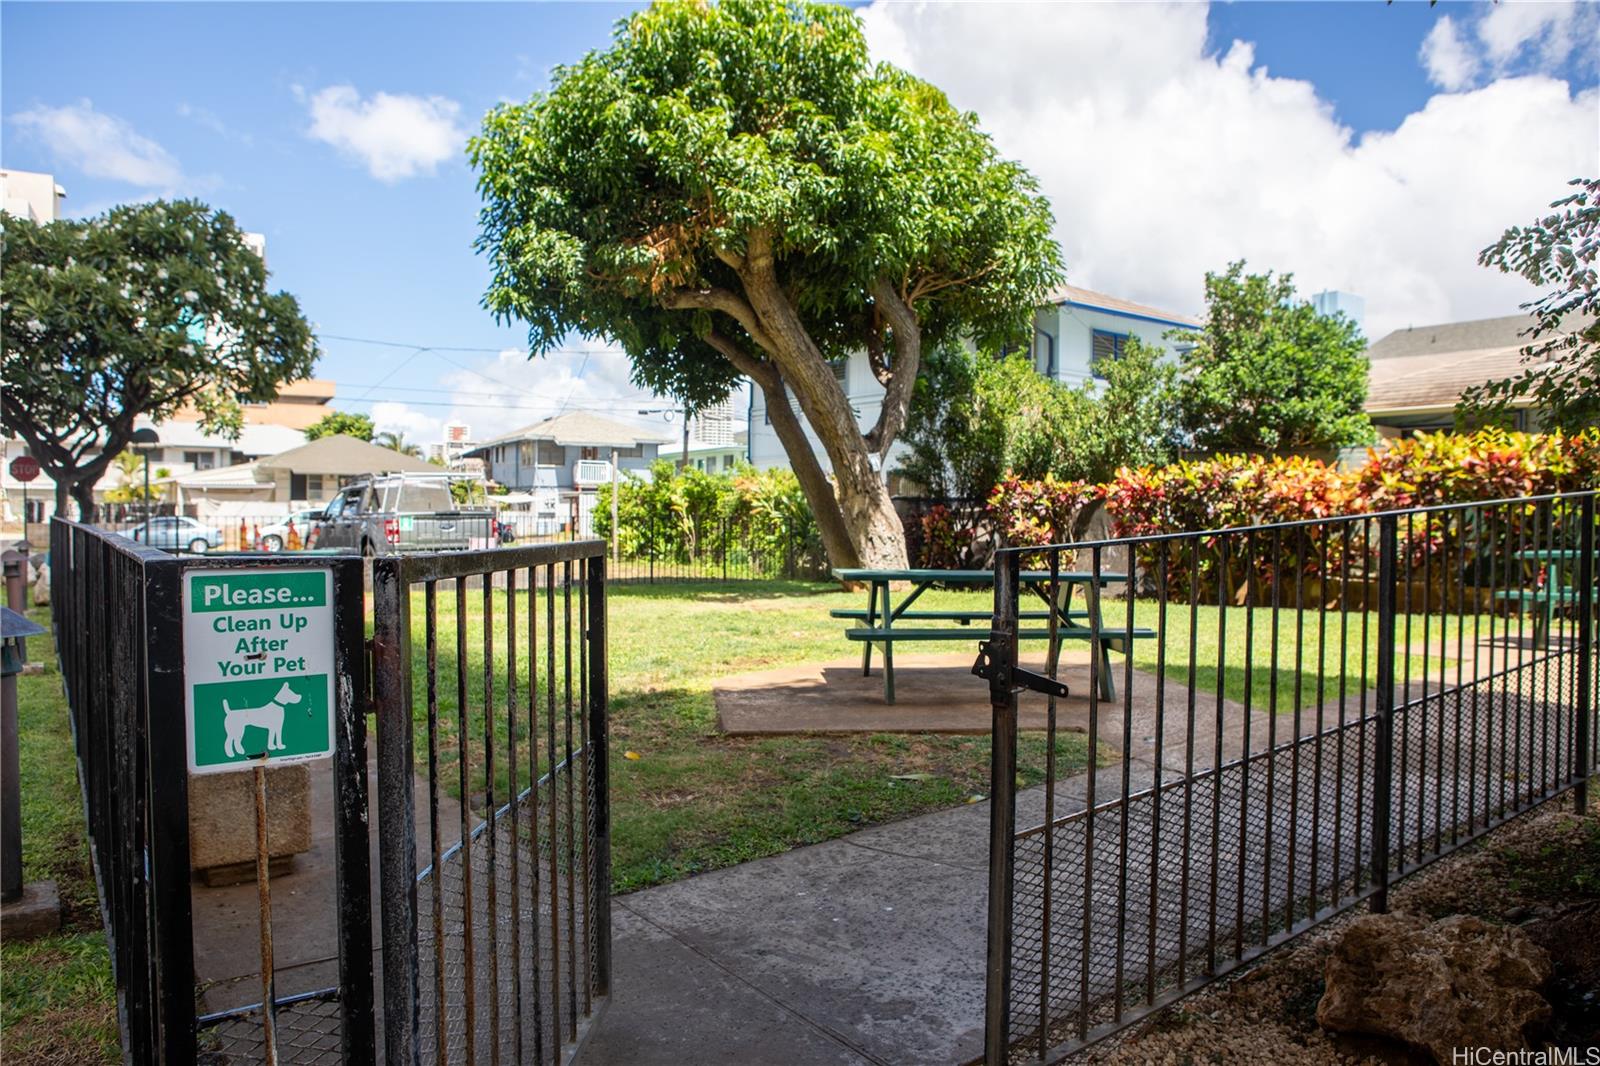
x=1002, y=679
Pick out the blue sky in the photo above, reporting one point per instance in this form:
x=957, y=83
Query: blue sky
x=337, y=130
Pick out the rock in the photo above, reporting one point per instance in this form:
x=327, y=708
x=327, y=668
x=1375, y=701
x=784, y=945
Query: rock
x=222, y=820
x=1458, y=982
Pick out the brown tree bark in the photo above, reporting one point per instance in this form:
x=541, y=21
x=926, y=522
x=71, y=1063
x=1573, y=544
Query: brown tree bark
x=869, y=514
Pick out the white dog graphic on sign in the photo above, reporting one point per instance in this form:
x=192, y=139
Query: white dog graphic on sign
x=269, y=716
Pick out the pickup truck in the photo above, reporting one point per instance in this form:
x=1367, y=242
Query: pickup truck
x=402, y=513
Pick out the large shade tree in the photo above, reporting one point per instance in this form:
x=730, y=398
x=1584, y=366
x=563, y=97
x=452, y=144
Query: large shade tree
x=736, y=189
x=137, y=312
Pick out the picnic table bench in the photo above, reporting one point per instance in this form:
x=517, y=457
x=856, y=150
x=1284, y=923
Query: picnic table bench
x=881, y=615
x=1557, y=591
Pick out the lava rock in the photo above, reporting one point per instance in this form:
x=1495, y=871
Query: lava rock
x=1454, y=983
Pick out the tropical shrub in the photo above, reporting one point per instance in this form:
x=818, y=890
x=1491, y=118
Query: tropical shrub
x=948, y=539
x=746, y=515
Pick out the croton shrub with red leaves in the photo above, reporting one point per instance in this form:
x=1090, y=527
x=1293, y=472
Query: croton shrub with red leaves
x=948, y=539
x=1230, y=491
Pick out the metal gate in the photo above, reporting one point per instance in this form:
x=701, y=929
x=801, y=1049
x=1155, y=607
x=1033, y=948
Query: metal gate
x=1326, y=706
x=490, y=691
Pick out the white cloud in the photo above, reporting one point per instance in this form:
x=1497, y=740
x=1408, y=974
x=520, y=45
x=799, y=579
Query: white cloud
x=101, y=145
x=1449, y=59
x=1163, y=160
x=394, y=136
x=1550, y=30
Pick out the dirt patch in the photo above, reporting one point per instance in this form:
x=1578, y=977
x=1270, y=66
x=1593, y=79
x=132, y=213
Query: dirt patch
x=1541, y=872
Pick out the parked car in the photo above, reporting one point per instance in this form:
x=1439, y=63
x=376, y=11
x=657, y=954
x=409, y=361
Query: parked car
x=275, y=537
x=402, y=513
x=175, y=533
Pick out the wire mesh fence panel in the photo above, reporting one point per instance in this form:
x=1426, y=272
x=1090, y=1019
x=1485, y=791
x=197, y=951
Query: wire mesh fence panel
x=490, y=689
x=1319, y=708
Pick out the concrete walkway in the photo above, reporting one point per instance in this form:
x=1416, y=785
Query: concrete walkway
x=865, y=949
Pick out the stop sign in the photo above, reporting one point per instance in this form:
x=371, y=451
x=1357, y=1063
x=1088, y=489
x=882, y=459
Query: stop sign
x=24, y=468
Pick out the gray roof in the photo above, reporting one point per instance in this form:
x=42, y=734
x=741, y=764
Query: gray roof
x=576, y=429
x=345, y=456
x=1426, y=368
x=1451, y=337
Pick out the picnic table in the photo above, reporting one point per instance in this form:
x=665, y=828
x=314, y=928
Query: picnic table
x=1558, y=591
x=881, y=615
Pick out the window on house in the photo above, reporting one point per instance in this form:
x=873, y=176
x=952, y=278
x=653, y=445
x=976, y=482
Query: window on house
x=200, y=460
x=841, y=374
x=1106, y=346
x=634, y=452
x=525, y=453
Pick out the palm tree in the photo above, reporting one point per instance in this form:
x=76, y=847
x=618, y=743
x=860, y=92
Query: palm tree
x=396, y=441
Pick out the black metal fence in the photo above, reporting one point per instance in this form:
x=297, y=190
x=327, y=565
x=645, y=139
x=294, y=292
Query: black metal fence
x=1322, y=707
x=116, y=609
x=490, y=685
x=721, y=550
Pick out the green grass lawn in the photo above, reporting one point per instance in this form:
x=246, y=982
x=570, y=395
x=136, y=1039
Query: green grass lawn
x=57, y=1001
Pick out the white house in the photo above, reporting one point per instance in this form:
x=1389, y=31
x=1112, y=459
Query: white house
x=1073, y=333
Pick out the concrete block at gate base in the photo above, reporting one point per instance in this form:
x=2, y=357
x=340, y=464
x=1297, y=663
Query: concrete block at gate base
x=37, y=913
x=222, y=821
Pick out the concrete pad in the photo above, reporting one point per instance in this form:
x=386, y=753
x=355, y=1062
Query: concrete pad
x=36, y=913
x=672, y=1005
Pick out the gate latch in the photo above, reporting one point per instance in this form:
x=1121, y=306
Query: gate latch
x=1002, y=680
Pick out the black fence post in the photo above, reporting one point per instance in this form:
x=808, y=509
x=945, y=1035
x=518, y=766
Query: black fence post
x=351, y=842
x=1002, y=811
x=166, y=734
x=397, y=845
x=1383, y=742
x=1586, y=608
x=600, y=771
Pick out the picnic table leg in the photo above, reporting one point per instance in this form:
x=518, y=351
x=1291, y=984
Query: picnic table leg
x=888, y=650
x=1108, y=686
x=872, y=622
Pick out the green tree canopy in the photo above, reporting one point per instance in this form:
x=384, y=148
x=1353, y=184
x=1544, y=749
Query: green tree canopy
x=1563, y=352
x=345, y=422
x=1267, y=373
x=736, y=189
x=133, y=313
x=396, y=441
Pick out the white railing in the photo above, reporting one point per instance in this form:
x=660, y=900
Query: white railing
x=591, y=472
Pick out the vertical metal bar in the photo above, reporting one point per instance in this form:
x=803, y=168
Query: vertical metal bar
x=1126, y=788
x=535, y=949
x=491, y=818
x=1478, y=651
x=1252, y=563
x=1048, y=889
x=1405, y=668
x=1461, y=692
x=1188, y=761
x=1270, y=809
x=1585, y=604
x=269, y=984
x=1216, y=761
x=1522, y=657
x=469, y=948
x=514, y=798
x=1383, y=741
x=584, y=824
x=1429, y=519
x=1002, y=811
x=351, y=832
x=397, y=855
x=430, y=625
x=600, y=771
x=1551, y=598
x=1313, y=882
x=1338, y=754
x=554, y=803
x=1096, y=666
x=1156, y=794
x=1292, y=859
x=572, y=903
x=160, y=652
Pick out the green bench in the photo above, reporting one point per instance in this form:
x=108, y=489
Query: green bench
x=960, y=617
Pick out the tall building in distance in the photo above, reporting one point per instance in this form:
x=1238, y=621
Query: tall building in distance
x=26, y=194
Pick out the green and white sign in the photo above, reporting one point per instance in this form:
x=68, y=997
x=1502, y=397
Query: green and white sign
x=258, y=666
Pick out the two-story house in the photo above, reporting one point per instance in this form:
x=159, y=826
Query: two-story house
x=1075, y=332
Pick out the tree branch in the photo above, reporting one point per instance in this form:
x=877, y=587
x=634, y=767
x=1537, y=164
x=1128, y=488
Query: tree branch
x=717, y=299
x=907, y=336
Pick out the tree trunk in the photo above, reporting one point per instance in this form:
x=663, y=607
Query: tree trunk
x=83, y=493
x=63, y=495
x=869, y=514
x=813, y=482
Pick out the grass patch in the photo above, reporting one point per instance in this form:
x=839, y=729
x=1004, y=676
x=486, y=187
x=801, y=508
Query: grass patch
x=57, y=998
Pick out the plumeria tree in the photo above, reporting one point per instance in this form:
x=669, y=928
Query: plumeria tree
x=736, y=189
x=137, y=312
